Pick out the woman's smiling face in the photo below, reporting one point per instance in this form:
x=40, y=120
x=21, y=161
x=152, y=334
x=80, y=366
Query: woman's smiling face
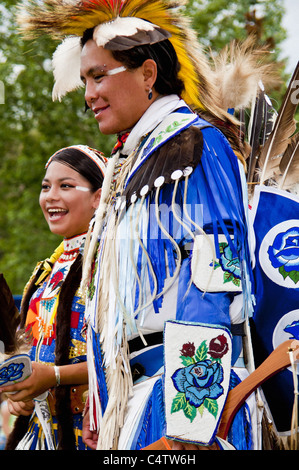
x=67, y=201
x=119, y=100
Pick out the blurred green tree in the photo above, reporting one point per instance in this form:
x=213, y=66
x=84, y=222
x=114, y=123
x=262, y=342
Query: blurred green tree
x=32, y=129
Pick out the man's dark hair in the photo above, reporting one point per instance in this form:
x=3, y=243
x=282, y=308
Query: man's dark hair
x=163, y=53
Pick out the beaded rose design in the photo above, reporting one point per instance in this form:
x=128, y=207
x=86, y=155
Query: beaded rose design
x=198, y=383
x=230, y=265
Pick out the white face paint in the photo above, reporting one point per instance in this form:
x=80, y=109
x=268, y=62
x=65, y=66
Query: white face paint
x=116, y=70
x=82, y=188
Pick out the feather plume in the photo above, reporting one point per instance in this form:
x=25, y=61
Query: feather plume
x=261, y=124
x=66, y=67
x=284, y=127
x=289, y=165
x=256, y=128
x=239, y=72
x=270, y=116
x=127, y=33
x=238, y=69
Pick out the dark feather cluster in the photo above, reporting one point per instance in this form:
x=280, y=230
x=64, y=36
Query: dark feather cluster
x=179, y=153
x=123, y=43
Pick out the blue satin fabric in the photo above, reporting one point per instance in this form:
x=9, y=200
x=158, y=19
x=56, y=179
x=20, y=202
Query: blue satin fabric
x=196, y=306
x=214, y=202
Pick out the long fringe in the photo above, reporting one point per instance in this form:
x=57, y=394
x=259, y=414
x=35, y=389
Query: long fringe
x=200, y=230
x=119, y=384
x=94, y=401
x=99, y=220
x=167, y=234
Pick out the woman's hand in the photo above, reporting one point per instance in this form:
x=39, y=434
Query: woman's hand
x=41, y=379
x=18, y=408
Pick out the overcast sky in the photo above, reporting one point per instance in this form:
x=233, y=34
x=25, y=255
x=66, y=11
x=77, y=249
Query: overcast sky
x=291, y=24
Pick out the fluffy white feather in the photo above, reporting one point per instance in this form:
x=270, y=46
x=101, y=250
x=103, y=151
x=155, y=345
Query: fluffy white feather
x=66, y=67
x=121, y=26
x=238, y=69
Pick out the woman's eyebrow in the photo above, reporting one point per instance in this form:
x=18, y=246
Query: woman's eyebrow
x=61, y=179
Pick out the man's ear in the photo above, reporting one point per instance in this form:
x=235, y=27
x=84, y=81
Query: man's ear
x=150, y=72
x=97, y=198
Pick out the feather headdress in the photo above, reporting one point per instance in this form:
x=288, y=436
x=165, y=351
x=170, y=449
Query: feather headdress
x=117, y=24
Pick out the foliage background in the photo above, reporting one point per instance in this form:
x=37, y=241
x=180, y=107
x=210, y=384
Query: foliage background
x=32, y=127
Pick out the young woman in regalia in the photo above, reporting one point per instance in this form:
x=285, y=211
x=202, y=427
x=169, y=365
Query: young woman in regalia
x=49, y=403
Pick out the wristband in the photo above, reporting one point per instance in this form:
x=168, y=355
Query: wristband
x=57, y=375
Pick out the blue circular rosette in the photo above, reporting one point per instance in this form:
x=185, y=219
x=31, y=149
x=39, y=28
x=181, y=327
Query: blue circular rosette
x=284, y=253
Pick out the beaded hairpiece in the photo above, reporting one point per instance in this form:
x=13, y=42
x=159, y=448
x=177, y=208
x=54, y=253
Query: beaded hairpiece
x=93, y=154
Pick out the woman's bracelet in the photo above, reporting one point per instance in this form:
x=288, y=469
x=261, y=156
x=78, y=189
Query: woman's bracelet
x=57, y=375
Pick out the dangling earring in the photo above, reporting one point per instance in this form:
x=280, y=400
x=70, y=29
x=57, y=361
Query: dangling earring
x=150, y=94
